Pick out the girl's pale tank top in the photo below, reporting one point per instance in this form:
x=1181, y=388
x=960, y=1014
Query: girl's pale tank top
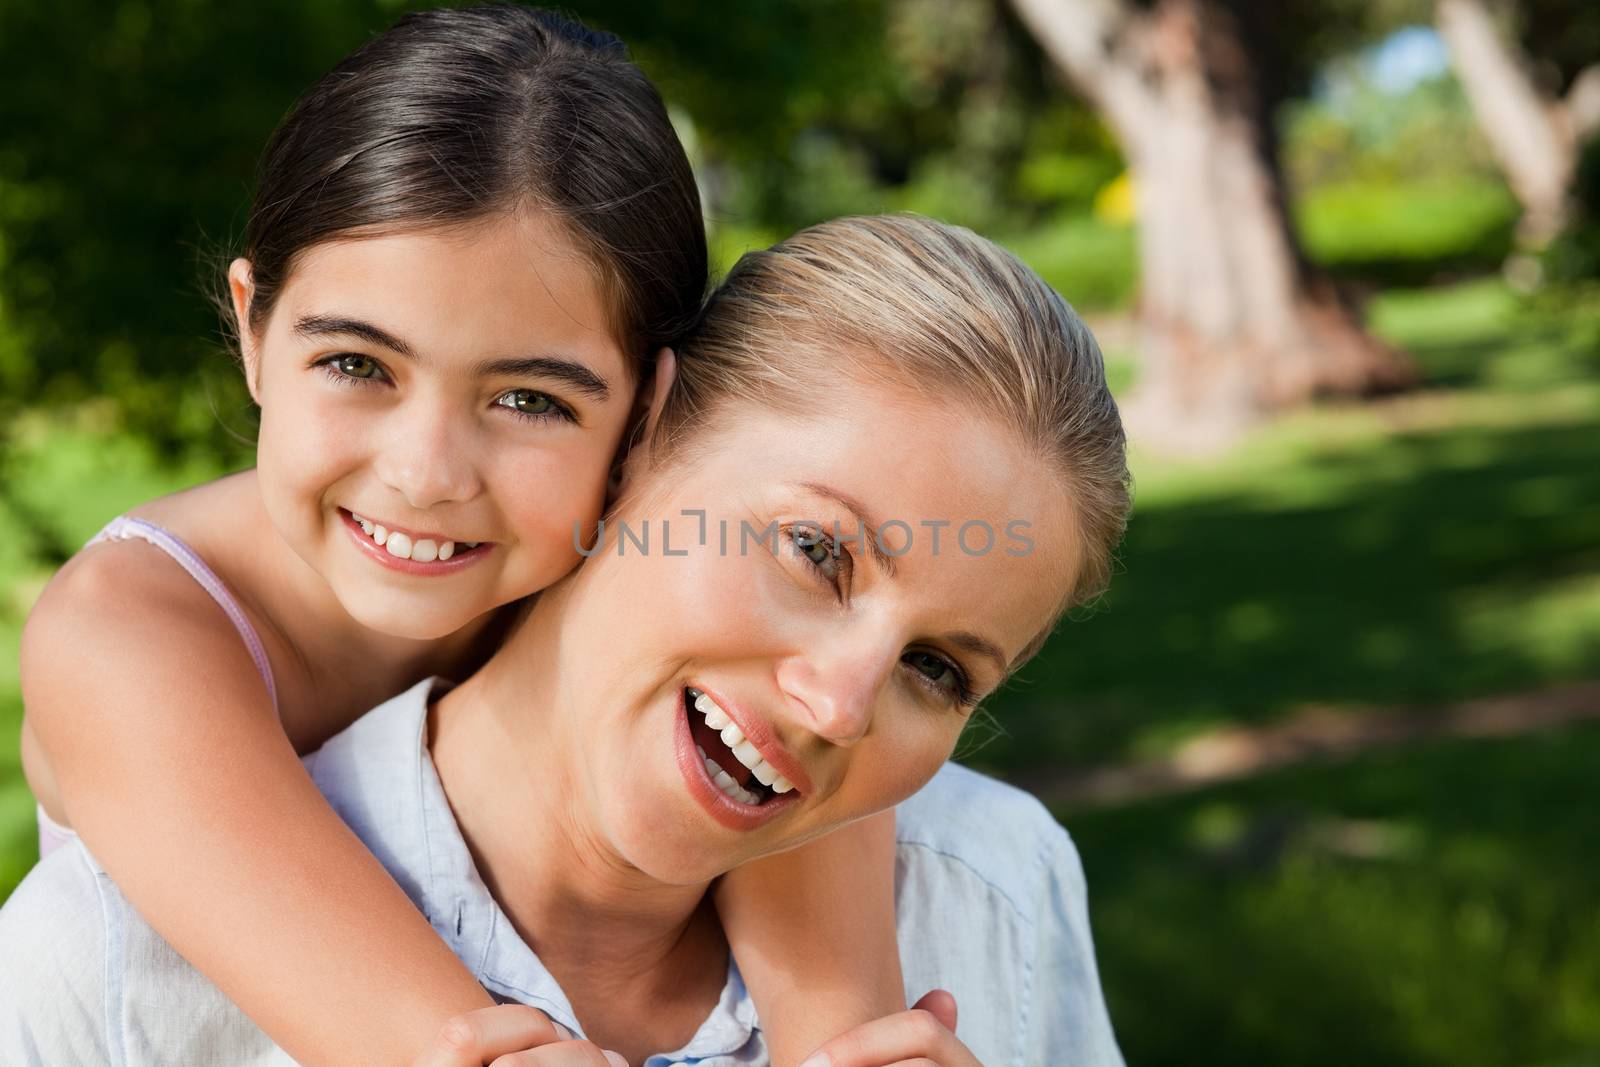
x=53, y=835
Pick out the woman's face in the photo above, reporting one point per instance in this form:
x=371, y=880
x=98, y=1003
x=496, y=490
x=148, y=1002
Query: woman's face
x=852, y=679
x=425, y=393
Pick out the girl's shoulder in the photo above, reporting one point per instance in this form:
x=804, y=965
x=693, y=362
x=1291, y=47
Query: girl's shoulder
x=136, y=603
x=200, y=513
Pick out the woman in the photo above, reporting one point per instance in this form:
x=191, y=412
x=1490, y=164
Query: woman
x=924, y=429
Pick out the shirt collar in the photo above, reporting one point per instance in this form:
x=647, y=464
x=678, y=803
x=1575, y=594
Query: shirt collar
x=379, y=776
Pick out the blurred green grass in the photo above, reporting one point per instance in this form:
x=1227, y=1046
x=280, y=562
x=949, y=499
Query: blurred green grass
x=1432, y=905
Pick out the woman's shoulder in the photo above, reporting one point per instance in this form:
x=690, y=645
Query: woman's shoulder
x=997, y=832
x=991, y=904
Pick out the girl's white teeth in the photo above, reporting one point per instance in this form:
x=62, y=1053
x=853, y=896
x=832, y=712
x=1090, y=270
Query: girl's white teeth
x=742, y=749
x=423, y=550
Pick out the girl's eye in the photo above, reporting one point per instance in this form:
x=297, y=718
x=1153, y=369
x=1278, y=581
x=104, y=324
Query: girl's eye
x=353, y=366
x=939, y=674
x=533, y=405
x=349, y=368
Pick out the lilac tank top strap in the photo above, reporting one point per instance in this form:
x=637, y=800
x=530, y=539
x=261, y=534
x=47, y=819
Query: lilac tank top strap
x=124, y=528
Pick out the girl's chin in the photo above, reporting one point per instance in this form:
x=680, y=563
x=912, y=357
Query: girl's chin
x=408, y=621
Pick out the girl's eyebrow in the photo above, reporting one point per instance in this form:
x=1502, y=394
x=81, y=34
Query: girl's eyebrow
x=571, y=372
x=332, y=325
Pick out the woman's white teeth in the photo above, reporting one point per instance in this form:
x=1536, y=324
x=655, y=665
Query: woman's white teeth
x=742, y=749
x=724, y=781
x=422, y=550
x=716, y=718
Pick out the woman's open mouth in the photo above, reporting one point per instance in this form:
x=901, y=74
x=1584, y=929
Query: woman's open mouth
x=735, y=782
x=734, y=765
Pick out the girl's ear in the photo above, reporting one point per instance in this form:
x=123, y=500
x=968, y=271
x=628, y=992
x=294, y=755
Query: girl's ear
x=660, y=388
x=242, y=291
x=647, y=407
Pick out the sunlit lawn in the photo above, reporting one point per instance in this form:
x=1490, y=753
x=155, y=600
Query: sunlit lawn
x=1430, y=905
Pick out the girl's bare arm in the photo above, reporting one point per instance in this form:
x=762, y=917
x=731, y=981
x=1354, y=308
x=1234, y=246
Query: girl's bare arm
x=174, y=768
x=813, y=931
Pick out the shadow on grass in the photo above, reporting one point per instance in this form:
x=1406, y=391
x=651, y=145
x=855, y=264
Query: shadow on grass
x=1397, y=575
x=1429, y=906
x=1423, y=566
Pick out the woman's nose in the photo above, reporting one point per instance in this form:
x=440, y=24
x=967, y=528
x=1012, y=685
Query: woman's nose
x=429, y=459
x=836, y=685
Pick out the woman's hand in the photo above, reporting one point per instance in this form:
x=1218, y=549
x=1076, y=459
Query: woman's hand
x=511, y=1035
x=925, y=1036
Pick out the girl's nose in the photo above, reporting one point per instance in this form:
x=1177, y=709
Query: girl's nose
x=836, y=682
x=430, y=460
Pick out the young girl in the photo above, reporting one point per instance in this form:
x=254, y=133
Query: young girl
x=467, y=243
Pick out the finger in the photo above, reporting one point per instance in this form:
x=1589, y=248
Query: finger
x=563, y=1054
x=942, y=1004
x=473, y=1038
x=908, y=1035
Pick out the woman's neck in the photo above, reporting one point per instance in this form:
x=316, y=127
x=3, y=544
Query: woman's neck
x=641, y=961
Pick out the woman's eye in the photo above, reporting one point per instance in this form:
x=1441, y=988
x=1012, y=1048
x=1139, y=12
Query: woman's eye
x=353, y=366
x=820, y=552
x=930, y=666
x=939, y=674
x=533, y=404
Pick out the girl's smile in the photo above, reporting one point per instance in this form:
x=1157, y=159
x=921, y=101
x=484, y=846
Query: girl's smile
x=424, y=555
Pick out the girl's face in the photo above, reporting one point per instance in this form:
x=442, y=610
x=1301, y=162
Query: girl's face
x=850, y=675
x=438, y=409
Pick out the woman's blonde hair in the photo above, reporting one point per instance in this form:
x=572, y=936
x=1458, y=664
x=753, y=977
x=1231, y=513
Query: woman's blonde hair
x=911, y=302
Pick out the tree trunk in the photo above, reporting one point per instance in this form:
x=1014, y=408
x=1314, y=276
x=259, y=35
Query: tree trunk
x=1531, y=133
x=1235, y=323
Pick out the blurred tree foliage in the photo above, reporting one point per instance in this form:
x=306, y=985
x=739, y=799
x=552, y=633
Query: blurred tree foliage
x=129, y=133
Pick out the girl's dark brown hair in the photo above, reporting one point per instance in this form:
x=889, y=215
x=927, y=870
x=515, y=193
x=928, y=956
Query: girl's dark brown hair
x=454, y=115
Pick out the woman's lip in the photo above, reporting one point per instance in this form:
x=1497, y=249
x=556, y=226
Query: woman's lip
x=463, y=558
x=759, y=734
x=720, y=806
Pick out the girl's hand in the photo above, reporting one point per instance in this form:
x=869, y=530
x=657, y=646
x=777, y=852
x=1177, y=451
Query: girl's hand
x=511, y=1035
x=925, y=1036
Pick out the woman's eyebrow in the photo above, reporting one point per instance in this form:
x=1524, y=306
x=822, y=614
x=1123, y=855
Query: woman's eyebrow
x=980, y=646
x=569, y=371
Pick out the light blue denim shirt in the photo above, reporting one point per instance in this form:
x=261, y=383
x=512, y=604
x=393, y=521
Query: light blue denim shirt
x=989, y=895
